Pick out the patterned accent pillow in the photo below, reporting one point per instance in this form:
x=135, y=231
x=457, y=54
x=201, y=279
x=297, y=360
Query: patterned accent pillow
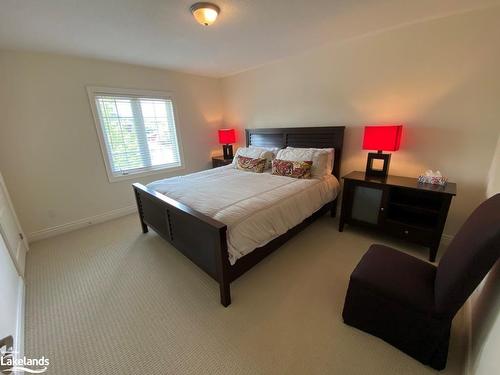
x=250, y=164
x=256, y=153
x=289, y=168
x=318, y=157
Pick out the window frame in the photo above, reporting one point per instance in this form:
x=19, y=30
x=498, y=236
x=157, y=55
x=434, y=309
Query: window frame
x=94, y=91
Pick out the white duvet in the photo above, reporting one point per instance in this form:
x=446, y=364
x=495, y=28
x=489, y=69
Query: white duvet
x=256, y=207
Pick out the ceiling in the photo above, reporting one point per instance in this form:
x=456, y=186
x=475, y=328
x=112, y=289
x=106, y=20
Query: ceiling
x=162, y=33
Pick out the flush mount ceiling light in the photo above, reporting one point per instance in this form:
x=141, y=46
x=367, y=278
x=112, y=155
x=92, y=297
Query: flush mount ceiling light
x=205, y=13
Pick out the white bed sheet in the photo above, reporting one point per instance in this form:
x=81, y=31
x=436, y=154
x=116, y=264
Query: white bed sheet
x=256, y=207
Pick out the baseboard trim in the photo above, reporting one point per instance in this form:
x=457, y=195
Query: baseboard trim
x=68, y=227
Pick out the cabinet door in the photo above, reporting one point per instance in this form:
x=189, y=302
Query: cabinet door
x=367, y=204
x=11, y=286
x=11, y=231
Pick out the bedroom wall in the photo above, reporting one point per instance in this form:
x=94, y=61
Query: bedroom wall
x=439, y=78
x=494, y=174
x=49, y=151
x=484, y=326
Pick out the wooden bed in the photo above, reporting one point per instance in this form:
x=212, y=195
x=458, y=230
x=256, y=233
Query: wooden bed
x=176, y=222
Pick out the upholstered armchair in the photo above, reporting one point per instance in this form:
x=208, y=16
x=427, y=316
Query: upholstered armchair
x=410, y=303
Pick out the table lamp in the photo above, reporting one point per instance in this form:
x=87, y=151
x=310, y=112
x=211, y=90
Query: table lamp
x=226, y=137
x=380, y=138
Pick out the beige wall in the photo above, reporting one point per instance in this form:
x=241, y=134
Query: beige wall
x=485, y=326
x=49, y=152
x=494, y=174
x=439, y=78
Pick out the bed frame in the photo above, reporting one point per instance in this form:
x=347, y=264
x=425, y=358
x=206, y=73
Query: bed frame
x=177, y=223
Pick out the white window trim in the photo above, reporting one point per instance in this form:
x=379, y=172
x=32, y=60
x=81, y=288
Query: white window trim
x=92, y=91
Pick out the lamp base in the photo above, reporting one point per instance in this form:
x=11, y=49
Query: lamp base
x=227, y=151
x=374, y=171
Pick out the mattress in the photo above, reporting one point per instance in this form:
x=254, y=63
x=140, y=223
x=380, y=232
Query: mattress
x=256, y=207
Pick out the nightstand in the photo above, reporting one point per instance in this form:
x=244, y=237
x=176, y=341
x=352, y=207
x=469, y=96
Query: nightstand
x=399, y=206
x=219, y=161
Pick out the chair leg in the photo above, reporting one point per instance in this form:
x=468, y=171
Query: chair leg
x=440, y=356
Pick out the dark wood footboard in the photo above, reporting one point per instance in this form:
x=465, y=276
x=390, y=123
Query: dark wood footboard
x=199, y=237
x=203, y=239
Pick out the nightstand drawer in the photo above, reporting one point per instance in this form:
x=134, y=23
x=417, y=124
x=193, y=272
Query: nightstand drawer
x=414, y=234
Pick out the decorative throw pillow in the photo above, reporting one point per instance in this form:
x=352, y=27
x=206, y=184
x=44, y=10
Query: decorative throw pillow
x=290, y=168
x=319, y=159
x=316, y=158
x=255, y=153
x=250, y=164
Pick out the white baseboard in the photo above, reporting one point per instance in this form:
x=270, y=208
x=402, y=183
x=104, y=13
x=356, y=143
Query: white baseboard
x=68, y=227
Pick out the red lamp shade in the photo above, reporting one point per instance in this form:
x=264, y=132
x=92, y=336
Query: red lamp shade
x=382, y=138
x=227, y=136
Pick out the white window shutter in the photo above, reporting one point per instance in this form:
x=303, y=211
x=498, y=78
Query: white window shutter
x=139, y=132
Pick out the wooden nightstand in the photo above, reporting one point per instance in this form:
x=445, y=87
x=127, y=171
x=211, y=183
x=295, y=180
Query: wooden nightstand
x=399, y=206
x=219, y=161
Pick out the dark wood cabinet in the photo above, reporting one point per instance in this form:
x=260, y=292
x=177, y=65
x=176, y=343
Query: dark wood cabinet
x=219, y=161
x=400, y=206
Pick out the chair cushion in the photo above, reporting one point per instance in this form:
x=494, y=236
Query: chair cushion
x=397, y=276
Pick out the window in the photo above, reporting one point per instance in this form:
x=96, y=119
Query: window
x=137, y=131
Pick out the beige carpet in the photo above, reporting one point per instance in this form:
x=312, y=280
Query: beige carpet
x=109, y=300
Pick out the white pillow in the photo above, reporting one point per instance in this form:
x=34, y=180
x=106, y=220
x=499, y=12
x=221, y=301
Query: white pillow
x=254, y=153
x=331, y=156
x=318, y=157
x=274, y=150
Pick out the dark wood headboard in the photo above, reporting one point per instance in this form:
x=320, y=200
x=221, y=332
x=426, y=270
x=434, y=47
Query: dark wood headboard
x=315, y=137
